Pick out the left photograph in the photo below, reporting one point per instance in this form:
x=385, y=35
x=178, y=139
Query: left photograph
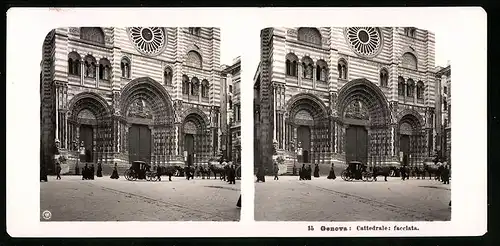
x=139, y=124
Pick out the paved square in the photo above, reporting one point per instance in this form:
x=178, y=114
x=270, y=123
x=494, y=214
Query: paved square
x=321, y=199
x=105, y=199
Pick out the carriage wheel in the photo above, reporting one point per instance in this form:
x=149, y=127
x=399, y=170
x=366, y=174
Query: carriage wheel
x=127, y=175
x=344, y=175
x=367, y=177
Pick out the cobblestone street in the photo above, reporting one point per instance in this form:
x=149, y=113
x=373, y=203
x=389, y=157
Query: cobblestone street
x=105, y=199
x=321, y=199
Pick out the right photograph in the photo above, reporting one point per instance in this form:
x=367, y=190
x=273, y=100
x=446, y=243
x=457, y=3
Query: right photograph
x=352, y=124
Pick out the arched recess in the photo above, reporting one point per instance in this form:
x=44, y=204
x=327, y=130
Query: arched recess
x=195, y=137
x=93, y=34
x=193, y=59
x=148, y=122
x=366, y=118
x=409, y=60
x=305, y=127
x=309, y=35
x=89, y=126
x=411, y=137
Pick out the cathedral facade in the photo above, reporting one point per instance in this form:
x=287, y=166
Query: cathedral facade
x=344, y=94
x=117, y=95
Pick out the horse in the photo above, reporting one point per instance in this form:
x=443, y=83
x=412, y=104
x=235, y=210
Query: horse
x=169, y=171
x=418, y=172
x=433, y=169
x=218, y=170
x=381, y=171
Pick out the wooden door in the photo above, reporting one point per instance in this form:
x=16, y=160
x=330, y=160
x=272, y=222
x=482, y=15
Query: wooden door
x=357, y=144
x=139, y=143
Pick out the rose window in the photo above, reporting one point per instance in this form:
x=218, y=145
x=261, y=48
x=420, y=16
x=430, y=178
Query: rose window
x=148, y=40
x=364, y=41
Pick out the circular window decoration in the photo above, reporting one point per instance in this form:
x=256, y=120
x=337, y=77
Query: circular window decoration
x=148, y=40
x=364, y=41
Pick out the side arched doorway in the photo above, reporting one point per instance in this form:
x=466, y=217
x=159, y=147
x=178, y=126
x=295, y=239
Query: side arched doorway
x=147, y=122
x=411, y=138
x=89, y=127
x=307, y=128
x=196, y=139
x=364, y=113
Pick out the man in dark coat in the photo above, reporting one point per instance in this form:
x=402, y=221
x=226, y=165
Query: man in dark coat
x=233, y=174
x=158, y=172
x=85, y=172
x=58, y=171
x=99, y=169
x=309, y=172
x=187, y=172
x=92, y=172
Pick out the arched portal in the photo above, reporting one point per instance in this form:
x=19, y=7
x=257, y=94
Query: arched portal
x=411, y=137
x=89, y=126
x=364, y=113
x=148, y=122
x=196, y=138
x=306, y=128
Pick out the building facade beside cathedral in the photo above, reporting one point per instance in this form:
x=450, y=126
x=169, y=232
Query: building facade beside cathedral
x=117, y=95
x=345, y=94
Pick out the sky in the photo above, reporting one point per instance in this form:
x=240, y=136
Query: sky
x=232, y=45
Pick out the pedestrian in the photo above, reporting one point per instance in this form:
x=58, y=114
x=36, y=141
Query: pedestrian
x=316, y=171
x=158, y=172
x=114, y=175
x=99, y=169
x=92, y=172
x=331, y=175
x=446, y=175
x=309, y=172
x=58, y=170
x=302, y=172
x=85, y=172
x=186, y=171
x=233, y=174
x=276, y=170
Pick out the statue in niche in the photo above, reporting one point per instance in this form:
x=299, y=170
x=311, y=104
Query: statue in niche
x=309, y=71
x=356, y=110
x=140, y=109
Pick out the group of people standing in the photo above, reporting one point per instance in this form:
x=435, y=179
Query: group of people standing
x=88, y=173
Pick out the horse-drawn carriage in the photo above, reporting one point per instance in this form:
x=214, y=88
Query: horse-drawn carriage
x=140, y=170
x=356, y=171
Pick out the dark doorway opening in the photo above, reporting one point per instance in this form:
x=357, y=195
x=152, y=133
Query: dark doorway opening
x=404, y=146
x=189, y=148
x=357, y=144
x=87, y=137
x=139, y=143
x=304, y=138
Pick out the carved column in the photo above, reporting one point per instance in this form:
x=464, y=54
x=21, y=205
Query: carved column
x=82, y=73
x=301, y=73
x=177, y=138
x=314, y=77
x=97, y=75
x=275, y=101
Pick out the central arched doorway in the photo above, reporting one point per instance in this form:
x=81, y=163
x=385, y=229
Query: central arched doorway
x=364, y=112
x=149, y=133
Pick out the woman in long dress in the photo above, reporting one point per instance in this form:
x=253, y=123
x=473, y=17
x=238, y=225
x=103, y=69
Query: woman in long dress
x=316, y=171
x=99, y=169
x=331, y=175
x=114, y=175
